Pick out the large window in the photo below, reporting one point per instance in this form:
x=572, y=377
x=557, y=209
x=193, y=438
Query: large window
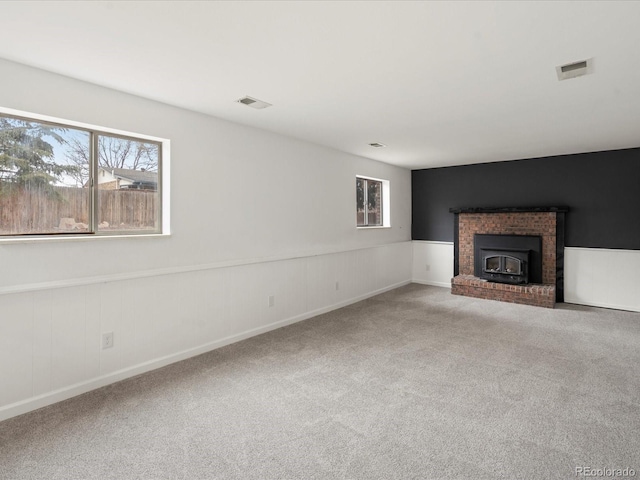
x=372, y=202
x=62, y=179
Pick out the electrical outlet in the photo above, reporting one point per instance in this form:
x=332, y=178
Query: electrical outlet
x=428, y=268
x=272, y=300
x=107, y=340
x=337, y=285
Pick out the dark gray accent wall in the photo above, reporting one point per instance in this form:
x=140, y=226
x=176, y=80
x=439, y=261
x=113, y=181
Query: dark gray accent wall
x=601, y=189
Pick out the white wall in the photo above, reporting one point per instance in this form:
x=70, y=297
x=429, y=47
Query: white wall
x=596, y=277
x=253, y=214
x=432, y=263
x=602, y=277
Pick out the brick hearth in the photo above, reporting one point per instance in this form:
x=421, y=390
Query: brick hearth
x=531, y=294
x=541, y=221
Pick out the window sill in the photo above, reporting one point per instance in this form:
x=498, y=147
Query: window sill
x=373, y=228
x=75, y=238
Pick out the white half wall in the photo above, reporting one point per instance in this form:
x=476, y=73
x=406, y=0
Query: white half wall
x=50, y=339
x=433, y=263
x=602, y=277
x=253, y=215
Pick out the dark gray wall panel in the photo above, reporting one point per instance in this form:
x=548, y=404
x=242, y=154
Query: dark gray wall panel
x=601, y=189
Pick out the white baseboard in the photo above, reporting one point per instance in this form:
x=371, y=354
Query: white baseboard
x=49, y=398
x=433, y=284
x=616, y=306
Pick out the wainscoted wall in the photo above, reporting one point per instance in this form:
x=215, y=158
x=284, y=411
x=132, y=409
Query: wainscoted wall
x=433, y=263
x=602, y=277
x=253, y=215
x=597, y=277
x=50, y=338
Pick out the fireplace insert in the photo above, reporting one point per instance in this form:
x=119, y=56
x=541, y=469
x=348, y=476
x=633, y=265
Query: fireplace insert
x=515, y=259
x=506, y=266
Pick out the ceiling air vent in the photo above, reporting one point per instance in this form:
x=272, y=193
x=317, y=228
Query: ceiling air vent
x=575, y=69
x=253, y=102
x=377, y=145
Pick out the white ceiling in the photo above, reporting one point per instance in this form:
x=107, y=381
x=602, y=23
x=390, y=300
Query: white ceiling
x=440, y=83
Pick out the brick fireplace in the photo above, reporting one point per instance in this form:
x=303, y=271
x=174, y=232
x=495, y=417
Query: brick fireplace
x=546, y=222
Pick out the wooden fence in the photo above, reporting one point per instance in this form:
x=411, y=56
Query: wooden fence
x=24, y=210
x=129, y=208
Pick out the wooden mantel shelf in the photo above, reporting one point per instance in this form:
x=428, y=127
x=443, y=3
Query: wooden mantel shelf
x=507, y=209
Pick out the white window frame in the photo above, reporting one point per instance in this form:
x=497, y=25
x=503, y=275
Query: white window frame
x=163, y=180
x=386, y=204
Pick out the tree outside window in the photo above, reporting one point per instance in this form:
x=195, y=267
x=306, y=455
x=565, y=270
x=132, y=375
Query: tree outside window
x=368, y=202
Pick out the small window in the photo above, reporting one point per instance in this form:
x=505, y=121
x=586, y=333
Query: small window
x=372, y=202
x=62, y=179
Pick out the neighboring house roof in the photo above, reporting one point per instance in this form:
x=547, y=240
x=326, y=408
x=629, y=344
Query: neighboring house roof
x=133, y=175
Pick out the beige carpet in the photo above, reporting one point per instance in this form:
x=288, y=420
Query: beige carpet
x=414, y=383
